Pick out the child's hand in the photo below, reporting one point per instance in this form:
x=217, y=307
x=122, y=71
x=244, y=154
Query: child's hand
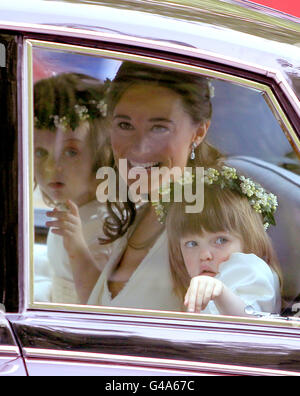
x=202, y=290
x=68, y=225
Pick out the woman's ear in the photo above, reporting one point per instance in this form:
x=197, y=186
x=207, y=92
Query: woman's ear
x=201, y=132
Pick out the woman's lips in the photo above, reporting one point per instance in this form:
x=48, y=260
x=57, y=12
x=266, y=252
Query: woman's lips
x=134, y=165
x=136, y=168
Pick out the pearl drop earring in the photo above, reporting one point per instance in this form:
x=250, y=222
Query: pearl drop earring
x=193, y=155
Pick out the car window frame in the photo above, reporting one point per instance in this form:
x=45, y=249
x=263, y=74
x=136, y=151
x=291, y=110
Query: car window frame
x=28, y=226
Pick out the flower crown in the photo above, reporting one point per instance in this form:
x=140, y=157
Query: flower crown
x=83, y=110
x=260, y=200
x=90, y=111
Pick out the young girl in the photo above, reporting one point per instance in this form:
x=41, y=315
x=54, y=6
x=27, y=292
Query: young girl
x=222, y=259
x=70, y=144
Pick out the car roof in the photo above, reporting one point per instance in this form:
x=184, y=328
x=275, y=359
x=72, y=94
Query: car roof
x=234, y=32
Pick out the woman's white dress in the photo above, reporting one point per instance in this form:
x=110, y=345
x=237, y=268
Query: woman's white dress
x=150, y=286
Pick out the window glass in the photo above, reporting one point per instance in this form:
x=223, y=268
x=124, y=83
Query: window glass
x=212, y=155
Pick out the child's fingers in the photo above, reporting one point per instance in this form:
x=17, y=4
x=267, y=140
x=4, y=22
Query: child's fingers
x=194, y=295
x=62, y=224
x=186, y=298
x=218, y=289
x=72, y=207
x=62, y=232
x=201, y=291
x=207, y=294
x=63, y=216
x=201, y=295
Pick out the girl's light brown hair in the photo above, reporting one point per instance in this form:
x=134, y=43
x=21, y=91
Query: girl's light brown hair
x=224, y=210
x=58, y=96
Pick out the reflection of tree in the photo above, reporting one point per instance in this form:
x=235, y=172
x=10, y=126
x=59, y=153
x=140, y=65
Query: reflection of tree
x=292, y=163
x=293, y=73
x=243, y=124
x=221, y=14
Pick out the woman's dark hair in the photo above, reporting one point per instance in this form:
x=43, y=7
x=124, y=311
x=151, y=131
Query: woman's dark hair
x=192, y=88
x=194, y=91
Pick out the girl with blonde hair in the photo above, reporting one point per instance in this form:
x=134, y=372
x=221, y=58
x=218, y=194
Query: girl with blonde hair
x=222, y=259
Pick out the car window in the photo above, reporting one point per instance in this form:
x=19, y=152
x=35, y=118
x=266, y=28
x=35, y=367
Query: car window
x=111, y=133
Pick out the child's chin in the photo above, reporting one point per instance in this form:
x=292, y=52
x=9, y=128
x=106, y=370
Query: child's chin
x=209, y=273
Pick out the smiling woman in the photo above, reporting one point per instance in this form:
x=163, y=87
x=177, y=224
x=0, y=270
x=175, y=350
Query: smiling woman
x=159, y=120
x=160, y=117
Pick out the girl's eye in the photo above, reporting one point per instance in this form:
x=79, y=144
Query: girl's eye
x=70, y=152
x=159, y=129
x=190, y=244
x=221, y=240
x=41, y=153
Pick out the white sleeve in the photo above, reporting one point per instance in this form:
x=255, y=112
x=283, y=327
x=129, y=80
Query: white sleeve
x=250, y=278
x=43, y=274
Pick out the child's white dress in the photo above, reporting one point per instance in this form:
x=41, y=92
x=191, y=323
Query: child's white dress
x=58, y=285
x=250, y=278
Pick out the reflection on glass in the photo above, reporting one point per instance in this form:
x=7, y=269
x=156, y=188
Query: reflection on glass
x=97, y=146
x=69, y=146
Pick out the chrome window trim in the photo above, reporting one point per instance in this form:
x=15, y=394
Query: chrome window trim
x=9, y=350
x=27, y=177
x=28, y=227
x=154, y=363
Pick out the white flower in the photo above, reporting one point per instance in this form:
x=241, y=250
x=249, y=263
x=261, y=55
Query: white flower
x=187, y=178
x=260, y=193
x=273, y=200
x=102, y=107
x=211, y=89
x=164, y=190
x=59, y=122
x=211, y=175
x=248, y=187
x=229, y=173
x=82, y=112
x=159, y=210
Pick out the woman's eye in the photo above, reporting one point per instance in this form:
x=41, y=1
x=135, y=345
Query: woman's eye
x=221, y=240
x=190, y=244
x=159, y=129
x=125, y=126
x=41, y=153
x=70, y=152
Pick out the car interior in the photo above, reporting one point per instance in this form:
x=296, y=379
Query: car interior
x=244, y=127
